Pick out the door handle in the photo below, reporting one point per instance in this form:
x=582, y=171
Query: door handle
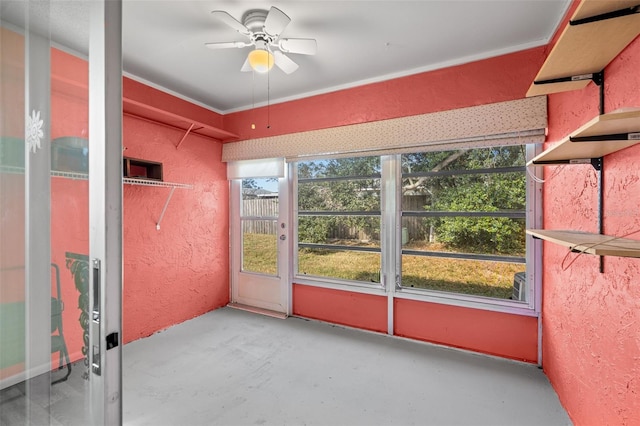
x=95, y=320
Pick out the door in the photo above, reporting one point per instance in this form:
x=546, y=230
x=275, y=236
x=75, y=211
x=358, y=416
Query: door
x=260, y=243
x=60, y=246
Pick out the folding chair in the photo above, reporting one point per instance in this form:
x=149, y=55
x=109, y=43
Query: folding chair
x=57, y=340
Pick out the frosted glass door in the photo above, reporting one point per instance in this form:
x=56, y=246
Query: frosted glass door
x=47, y=301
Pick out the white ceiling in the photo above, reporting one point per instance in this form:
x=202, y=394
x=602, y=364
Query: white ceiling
x=358, y=42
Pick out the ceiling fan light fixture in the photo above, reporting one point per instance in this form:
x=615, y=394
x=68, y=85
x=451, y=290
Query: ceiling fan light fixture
x=263, y=29
x=261, y=60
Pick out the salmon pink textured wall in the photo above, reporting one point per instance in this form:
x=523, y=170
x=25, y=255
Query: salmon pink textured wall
x=488, y=81
x=494, y=333
x=591, y=320
x=341, y=307
x=172, y=274
x=180, y=271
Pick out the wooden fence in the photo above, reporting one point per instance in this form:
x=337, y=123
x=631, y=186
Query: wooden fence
x=268, y=207
x=260, y=207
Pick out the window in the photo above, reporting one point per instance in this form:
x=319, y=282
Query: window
x=463, y=221
x=457, y=223
x=338, y=219
x=259, y=221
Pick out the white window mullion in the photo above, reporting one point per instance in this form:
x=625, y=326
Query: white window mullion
x=391, y=231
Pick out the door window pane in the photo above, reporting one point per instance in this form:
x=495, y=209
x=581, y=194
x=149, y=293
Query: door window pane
x=259, y=221
x=260, y=246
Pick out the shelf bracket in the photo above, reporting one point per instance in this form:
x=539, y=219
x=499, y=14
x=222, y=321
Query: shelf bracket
x=596, y=77
x=609, y=15
x=164, y=209
x=601, y=207
x=600, y=83
x=161, y=184
x=595, y=162
x=185, y=135
x=611, y=137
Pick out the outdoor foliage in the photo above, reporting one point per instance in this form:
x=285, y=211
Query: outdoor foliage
x=446, y=194
x=358, y=193
x=442, y=178
x=471, y=192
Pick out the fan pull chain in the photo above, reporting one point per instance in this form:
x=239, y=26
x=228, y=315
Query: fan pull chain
x=253, y=100
x=268, y=97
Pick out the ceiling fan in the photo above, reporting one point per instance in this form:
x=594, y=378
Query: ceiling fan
x=263, y=29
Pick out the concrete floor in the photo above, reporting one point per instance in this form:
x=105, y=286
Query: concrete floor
x=62, y=404
x=231, y=367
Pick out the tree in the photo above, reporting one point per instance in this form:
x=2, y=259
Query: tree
x=473, y=192
x=358, y=192
x=442, y=178
x=249, y=184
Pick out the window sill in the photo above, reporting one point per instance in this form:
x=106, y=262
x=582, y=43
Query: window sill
x=353, y=286
x=465, y=301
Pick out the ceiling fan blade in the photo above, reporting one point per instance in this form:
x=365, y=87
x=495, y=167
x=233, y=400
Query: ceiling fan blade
x=231, y=21
x=246, y=67
x=276, y=22
x=303, y=46
x=227, y=45
x=284, y=62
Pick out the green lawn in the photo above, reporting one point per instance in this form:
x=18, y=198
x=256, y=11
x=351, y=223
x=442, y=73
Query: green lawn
x=259, y=253
x=481, y=278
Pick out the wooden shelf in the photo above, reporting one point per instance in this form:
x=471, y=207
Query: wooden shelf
x=147, y=103
x=186, y=124
x=587, y=48
x=586, y=242
x=575, y=150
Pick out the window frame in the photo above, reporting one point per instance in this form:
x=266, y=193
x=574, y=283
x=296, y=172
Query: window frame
x=391, y=248
x=334, y=282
